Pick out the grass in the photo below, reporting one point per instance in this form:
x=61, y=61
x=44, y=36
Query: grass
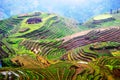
x=99, y=45
x=20, y=50
x=44, y=15
x=58, y=70
x=102, y=17
x=32, y=27
x=54, y=24
x=109, y=24
x=54, y=53
x=99, y=69
x=115, y=22
x=116, y=53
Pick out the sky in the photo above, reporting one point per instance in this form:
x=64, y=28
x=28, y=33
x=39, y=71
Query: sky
x=80, y=10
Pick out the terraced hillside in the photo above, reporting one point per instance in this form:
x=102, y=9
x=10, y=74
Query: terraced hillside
x=51, y=26
x=5, y=50
x=93, y=36
x=34, y=32
x=45, y=46
x=102, y=69
x=104, y=20
x=7, y=26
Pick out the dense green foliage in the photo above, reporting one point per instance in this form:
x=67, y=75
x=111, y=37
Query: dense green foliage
x=48, y=50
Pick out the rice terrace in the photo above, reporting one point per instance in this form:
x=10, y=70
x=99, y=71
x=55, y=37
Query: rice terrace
x=44, y=45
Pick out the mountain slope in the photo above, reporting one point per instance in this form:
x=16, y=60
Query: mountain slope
x=47, y=46
x=51, y=26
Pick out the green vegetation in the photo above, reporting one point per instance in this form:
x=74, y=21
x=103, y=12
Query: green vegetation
x=92, y=51
x=100, y=48
x=96, y=70
x=116, y=52
x=109, y=23
x=32, y=27
x=102, y=17
x=37, y=53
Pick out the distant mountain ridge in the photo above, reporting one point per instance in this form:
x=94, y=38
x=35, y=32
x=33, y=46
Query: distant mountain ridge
x=69, y=8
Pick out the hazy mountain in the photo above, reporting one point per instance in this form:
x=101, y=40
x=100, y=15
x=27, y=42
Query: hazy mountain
x=81, y=10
